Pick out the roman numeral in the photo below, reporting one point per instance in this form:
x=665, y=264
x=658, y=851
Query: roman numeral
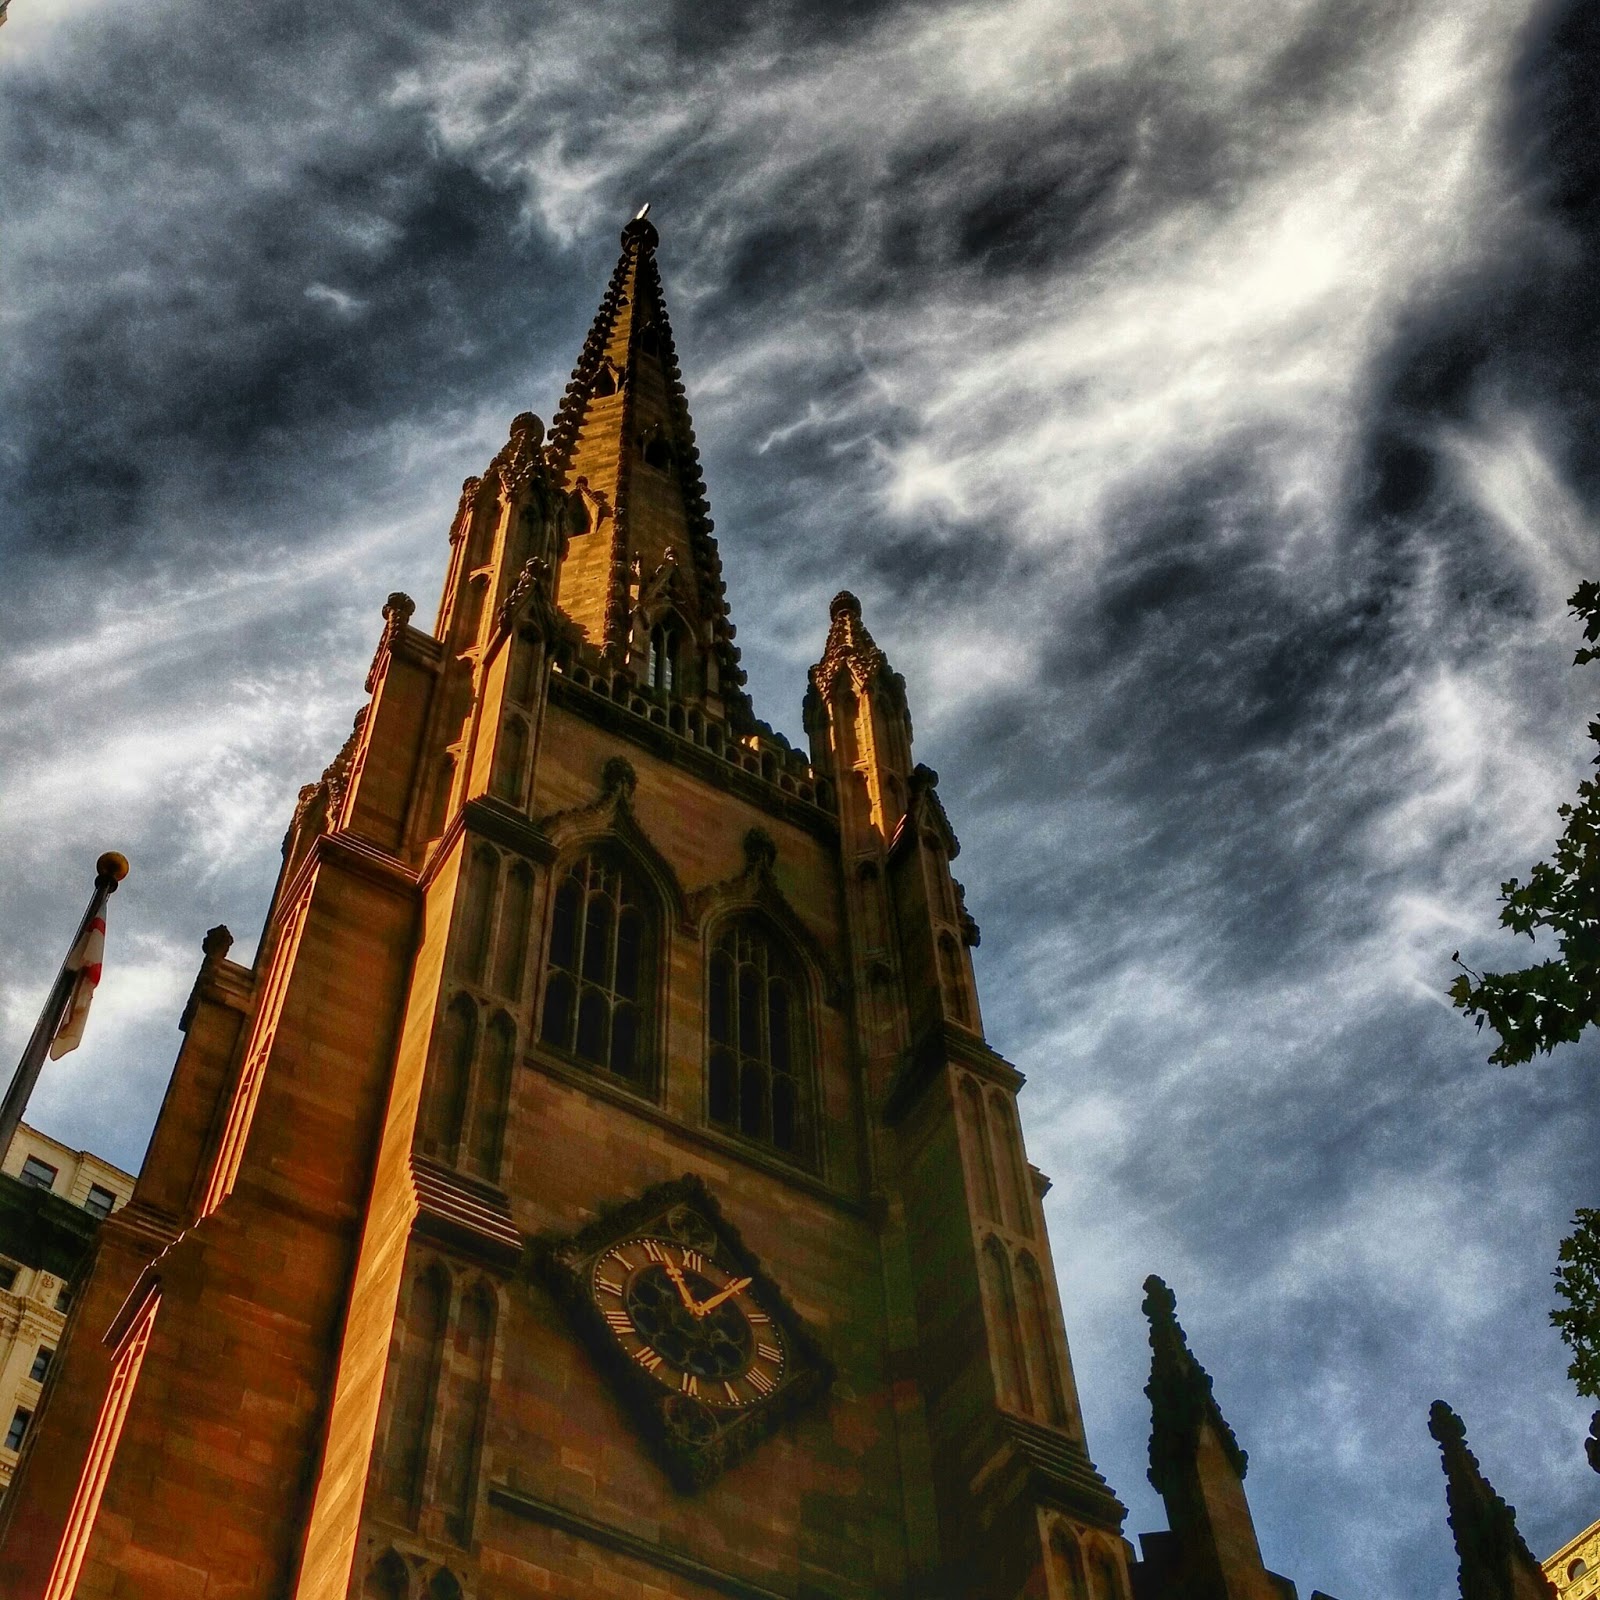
x=647, y=1358
x=758, y=1316
x=770, y=1353
x=694, y=1261
x=653, y=1250
x=691, y=1385
x=732, y=1393
x=759, y=1381
x=619, y=1322
x=606, y=1286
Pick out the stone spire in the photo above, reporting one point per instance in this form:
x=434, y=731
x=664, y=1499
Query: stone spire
x=1496, y=1563
x=1198, y=1469
x=645, y=560
x=1179, y=1391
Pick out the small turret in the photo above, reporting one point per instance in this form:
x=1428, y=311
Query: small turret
x=1496, y=1564
x=1198, y=1469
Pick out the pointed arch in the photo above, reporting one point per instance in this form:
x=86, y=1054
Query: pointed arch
x=515, y=924
x=1039, y=1335
x=388, y=1579
x=464, y=1403
x=1106, y=1573
x=476, y=912
x=760, y=1037
x=603, y=962
x=411, y=1406
x=1005, y=1333
x=1016, y=1187
x=953, y=980
x=1066, y=1558
x=448, y=1079
x=509, y=781
x=980, y=1153
x=444, y=1585
x=491, y=1096
x=609, y=820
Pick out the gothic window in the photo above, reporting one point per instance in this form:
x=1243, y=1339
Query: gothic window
x=605, y=381
x=1107, y=1584
x=1067, y=1560
x=1017, y=1189
x=1011, y=1376
x=657, y=452
x=521, y=679
x=759, y=1070
x=388, y=1579
x=493, y=1093
x=601, y=966
x=511, y=761
x=975, y=1125
x=443, y=1585
x=476, y=910
x=650, y=340
x=416, y=1378
x=661, y=666
x=1038, y=1329
x=954, y=981
x=449, y=1076
x=511, y=946
x=464, y=1393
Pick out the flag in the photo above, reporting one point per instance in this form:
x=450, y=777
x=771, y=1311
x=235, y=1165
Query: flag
x=84, y=963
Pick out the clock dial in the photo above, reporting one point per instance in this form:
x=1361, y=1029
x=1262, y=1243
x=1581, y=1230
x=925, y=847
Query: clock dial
x=696, y=1328
x=699, y=1342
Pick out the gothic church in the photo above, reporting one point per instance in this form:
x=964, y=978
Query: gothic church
x=600, y=1184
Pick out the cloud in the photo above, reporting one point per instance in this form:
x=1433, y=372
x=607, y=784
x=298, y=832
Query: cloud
x=1201, y=400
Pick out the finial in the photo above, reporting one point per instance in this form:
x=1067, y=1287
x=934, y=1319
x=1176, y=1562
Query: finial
x=844, y=604
x=112, y=866
x=642, y=229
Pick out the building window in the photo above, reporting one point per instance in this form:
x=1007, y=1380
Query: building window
x=661, y=668
x=63, y=1298
x=1577, y=1569
x=8, y=1275
x=601, y=964
x=41, y=1364
x=757, y=1078
x=100, y=1201
x=38, y=1174
x=18, y=1430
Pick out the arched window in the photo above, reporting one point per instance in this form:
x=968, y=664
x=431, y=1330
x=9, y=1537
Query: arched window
x=954, y=981
x=1576, y=1569
x=511, y=947
x=661, y=667
x=1068, y=1562
x=1039, y=1331
x=493, y=1094
x=388, y=1579
x=1107, y=1583
x=464, y=1402
x=449, y=1073
x=476, y=908
x=758, y=1074
x=1011, y=1374
x=601, y=966
x=976, y=1127
x=411, y=1404
x=657, y=452
x=605, y=381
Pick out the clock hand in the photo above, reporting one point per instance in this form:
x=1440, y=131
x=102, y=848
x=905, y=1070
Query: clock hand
x=675, y=1272
x=717, y=1299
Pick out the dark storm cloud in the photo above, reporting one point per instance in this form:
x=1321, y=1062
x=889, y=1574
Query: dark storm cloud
x=1201, y=400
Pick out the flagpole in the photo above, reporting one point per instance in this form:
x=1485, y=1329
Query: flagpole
x=109, y=871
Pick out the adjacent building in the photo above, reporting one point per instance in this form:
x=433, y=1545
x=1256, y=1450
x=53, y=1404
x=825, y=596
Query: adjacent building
x=1575, y=1568
x=48, y=1210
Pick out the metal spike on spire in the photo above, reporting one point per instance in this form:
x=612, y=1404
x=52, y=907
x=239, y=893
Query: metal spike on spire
x=642, y=212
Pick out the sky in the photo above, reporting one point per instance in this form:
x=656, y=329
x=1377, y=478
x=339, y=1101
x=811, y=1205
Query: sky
x=1201, y=399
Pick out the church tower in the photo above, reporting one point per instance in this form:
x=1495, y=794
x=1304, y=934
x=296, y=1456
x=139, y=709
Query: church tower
x=600, y=1183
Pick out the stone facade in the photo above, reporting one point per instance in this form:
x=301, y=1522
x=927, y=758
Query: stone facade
x=41, y=1242
x=572, y=961
x=1574, y=1569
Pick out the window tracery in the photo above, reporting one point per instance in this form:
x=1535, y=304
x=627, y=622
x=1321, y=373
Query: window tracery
x=758, y=1071
x=600, y=970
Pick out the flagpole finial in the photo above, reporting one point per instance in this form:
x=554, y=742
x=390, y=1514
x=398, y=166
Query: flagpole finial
x=113, y=866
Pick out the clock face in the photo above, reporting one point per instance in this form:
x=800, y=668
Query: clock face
x=701, y=1345
x=698, y=1329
